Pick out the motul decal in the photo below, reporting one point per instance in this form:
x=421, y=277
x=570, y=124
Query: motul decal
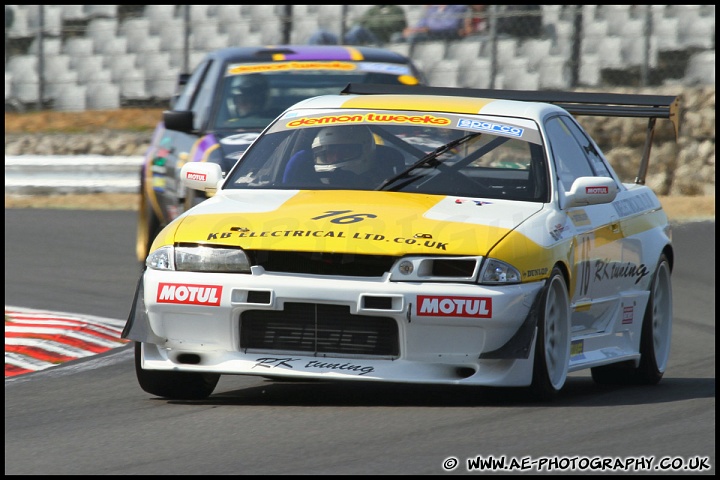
x=196, y=176
x=597, y=190
x=189, y=294
x=473, y=307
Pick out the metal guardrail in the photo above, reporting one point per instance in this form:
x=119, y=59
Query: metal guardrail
x=43, y=175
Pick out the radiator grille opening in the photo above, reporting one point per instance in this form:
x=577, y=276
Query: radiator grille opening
x=321, y=263
x=319, y=329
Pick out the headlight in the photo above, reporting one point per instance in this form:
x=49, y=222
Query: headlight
x=199, y=259
x=496, y=272
x=161, y=259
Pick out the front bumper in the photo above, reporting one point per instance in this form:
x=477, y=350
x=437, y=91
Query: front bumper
x=335, y=328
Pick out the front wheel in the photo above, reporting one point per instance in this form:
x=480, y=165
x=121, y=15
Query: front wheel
x=552, y=345
x=654, y=338
x=174, y=385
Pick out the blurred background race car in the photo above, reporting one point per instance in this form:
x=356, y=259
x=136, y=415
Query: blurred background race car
x=230, y=97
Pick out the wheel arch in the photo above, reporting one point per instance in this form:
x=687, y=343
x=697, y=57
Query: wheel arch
x=565, y=270
x=670, y=254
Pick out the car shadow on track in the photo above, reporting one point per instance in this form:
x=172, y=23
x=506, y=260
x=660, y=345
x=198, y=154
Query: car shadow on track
x=578, y=391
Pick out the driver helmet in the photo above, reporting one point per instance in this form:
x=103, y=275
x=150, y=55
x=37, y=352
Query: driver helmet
x=249, y=93
x=347, y=147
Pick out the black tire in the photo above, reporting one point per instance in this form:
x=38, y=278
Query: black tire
x=552, y=345
x=654, y=338
x=174, y=385
x=148, y=226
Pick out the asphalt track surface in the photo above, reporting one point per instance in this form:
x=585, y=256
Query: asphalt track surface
x=89, y=416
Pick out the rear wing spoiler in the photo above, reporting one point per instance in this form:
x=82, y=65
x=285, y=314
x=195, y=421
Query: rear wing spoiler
x=651, y=107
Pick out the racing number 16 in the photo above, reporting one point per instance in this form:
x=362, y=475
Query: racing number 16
x=352, y=218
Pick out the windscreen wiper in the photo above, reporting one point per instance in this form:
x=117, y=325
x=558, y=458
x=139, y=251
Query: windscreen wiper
x=428, y=158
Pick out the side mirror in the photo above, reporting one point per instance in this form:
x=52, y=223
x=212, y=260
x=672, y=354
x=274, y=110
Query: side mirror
x=180, y=120
x=202, y=176
x=591, y=191
x=182, y=80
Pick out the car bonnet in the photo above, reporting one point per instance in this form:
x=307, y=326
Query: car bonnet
x=358, y=222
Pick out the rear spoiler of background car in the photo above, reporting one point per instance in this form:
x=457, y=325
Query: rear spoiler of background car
x=576, y=103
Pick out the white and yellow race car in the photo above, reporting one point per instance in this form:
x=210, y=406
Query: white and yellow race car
x=415, y=235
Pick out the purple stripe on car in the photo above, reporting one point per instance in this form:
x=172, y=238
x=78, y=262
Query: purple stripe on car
x=202, y=146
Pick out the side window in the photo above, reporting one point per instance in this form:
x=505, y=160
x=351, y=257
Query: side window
x=570, y=157
x=190, y=91
x=202, y=103
x=596, y=161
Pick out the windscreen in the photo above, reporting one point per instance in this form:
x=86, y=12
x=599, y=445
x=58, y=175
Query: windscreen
x=255, y=94
x=433, y=153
